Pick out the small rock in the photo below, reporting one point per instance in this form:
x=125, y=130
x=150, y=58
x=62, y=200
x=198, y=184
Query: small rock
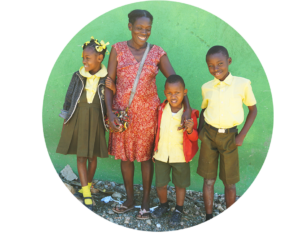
x=127, y=219
x=122, y=187
x=94, y=190
x=156, y=200
x=111, y=220
x=117, y=195
x=139, y=224
x=172, y=209
x=158, y=225
x=70, y=187
x=141, y=188
x=220, y=208
x=99, y=183
x=181, y=223
x=110, y=212
x=148, y=221
x=113, y=184
x=68, y=174
x=105, y=186
x=197, y=213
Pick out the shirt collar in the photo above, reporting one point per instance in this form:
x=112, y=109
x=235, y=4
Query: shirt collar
x=101, y=73
x=228, y=80
x=177, y=115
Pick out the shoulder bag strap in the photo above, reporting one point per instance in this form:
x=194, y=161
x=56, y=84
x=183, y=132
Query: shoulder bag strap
x=138, y=75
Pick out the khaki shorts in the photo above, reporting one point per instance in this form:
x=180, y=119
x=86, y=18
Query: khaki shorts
x=180, y=174
x=214, y=144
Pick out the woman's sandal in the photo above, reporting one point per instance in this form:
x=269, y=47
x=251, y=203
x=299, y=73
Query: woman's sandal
x=144, y=214
x=88, y=206
x=124, y=209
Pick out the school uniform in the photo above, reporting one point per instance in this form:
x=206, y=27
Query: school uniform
x=223, y=104
x=174, y=149
x=84, y=127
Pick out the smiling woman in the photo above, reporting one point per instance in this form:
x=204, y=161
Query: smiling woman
x=137, y=142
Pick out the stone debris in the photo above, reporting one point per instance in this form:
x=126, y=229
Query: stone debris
x=68, y=174
x=70, y=187
x=113, y=194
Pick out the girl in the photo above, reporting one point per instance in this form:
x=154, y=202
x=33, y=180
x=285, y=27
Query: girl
x=83, y=131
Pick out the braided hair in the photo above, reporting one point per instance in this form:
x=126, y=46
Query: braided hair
x=135, y=14
x=94, y=43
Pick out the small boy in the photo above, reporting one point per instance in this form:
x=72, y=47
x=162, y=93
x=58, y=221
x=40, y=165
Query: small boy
x=174, y=148
x=222, y=111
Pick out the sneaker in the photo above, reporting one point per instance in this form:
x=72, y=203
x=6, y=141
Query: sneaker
x=159, y=211
x=175, y=218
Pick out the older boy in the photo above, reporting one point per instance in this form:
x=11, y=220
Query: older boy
x=174, y=148
x=222, y=111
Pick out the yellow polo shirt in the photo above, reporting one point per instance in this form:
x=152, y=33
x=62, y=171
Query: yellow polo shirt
x=224, y=100
x=170, y=144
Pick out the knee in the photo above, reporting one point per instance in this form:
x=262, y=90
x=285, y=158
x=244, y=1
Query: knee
x=229, y=186
x=162, y=188
x=209, y=182
x=81, y=160
x=93, y=159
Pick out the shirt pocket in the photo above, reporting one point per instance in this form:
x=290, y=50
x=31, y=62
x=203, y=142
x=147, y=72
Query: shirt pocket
x=235, y=105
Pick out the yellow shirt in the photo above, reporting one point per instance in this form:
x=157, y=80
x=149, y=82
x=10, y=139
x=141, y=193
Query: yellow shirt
x=224, y=100
x=92, y=81
x=170, y=145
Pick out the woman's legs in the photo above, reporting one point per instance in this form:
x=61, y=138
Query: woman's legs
x=147, y=175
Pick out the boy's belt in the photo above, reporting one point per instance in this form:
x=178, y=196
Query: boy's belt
x=223, y=130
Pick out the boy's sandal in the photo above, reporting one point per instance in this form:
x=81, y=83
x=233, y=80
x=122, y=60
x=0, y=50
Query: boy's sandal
x=78, y=194
x=143, y=214
x=124, y=209
x=88, y=206
x=175, y=218
x=159, y=211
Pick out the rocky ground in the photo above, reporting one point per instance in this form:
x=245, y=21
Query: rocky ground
x=194, y=212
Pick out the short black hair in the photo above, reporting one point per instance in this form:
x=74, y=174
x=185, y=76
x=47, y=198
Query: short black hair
x=174, y=79
x=93, y=45
x=135, y=14
x=217, y=49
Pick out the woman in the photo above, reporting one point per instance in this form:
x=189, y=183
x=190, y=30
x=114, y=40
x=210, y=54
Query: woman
x=137, y=142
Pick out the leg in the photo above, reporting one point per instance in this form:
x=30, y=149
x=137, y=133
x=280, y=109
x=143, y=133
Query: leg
x=208, y=196
x=147, y=175
x=127, y=168
x=82, y=172
x=162, y=194
x=230, y=194
x=180, y=195
x=92, y=165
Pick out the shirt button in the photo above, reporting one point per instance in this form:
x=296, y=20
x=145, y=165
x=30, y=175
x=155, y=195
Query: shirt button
x=221, y=114
x=221, y=102
x=171, y=131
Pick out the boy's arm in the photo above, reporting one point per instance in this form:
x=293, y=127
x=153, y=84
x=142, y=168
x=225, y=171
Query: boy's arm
x=249, y=121
x=201, y=123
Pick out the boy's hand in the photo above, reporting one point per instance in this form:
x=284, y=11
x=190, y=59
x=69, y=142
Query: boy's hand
x=110, y=84
x=188, y=126
x=239, y=140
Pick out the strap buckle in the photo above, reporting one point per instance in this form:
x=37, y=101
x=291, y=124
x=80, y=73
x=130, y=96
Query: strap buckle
x=221, y=130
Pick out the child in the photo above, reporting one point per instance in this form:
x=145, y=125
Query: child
x=83, y=131
x=222, y=111
x=174, y=148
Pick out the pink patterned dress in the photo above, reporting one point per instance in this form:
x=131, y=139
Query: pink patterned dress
x=137, y=142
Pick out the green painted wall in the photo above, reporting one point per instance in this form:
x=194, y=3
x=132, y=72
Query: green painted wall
x=185, y=33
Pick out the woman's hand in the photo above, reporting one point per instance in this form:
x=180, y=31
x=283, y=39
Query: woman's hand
x=114, y=123
x=109, y=83
x=188, y=126
x=185, y=116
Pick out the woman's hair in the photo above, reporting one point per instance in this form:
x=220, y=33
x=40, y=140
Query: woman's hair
x=94, y=43
x=135, y=14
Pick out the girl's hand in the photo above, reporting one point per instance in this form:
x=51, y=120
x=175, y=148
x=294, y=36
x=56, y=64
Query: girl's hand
x=188, y=126
x=110, y=84
x=114, y=123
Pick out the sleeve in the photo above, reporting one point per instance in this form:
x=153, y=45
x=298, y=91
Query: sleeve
x=69, y=94
x=160, y=52
x=249, y=99
x=204, y=100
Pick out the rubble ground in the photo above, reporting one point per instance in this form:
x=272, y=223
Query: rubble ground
x=194, y=212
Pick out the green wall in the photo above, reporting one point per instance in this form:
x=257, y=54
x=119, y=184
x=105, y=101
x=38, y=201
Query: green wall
x=185, y=33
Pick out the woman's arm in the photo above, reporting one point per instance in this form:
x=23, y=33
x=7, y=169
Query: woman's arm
x=167, y=70
x=112, y=71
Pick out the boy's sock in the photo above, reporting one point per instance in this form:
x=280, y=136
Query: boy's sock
x=89, y=184
x=87, y=193
x=179, y=208
x=208, y=217
x=165, y=204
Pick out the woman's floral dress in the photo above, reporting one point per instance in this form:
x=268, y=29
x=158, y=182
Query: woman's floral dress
x=137, y=142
